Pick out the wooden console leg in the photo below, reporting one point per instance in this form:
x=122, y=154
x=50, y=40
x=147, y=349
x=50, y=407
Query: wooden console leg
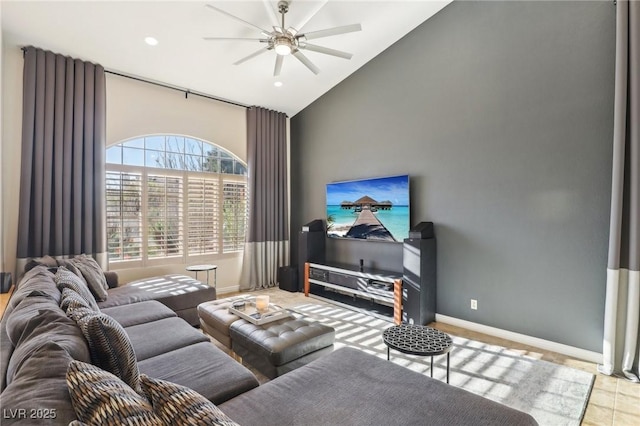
x=306, y=279
x=397, y=302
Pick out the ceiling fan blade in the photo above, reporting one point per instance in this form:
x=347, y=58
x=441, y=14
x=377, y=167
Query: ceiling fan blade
x=325, y=50
x=271, y=12
x=278, y=67
x=253, y=55
x=298, y=54
x=248, y=24
x=263, y=40
x=311, y=14
x=331, y=31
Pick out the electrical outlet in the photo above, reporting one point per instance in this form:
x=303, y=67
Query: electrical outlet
x=474, y=304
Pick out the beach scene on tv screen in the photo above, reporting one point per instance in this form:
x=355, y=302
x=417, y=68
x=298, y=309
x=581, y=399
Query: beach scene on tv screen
x=369, y=209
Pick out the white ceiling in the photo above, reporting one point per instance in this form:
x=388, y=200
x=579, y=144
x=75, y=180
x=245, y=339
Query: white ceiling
x=112, y=34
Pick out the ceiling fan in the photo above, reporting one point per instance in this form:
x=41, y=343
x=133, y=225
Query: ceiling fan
x=289, y=41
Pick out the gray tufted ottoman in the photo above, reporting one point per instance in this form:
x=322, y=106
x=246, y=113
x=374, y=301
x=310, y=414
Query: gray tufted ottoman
x=280, y=346
x=215, y=318
x=274, y=348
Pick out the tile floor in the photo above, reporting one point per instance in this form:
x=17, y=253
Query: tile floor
x=614, y=401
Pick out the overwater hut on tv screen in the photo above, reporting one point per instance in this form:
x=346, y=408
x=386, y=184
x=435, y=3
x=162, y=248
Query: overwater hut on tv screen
x=374, y=209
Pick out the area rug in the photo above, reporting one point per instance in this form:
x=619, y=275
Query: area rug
x=553, y=394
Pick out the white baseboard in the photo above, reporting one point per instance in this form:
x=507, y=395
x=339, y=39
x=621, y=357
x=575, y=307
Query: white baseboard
x=547, y=345
x=228, y=289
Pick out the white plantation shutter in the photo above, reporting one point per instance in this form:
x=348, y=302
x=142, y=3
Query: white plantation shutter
x=124, y=215
x=203, y=215
x=164, y=216
x=173, y=197
x=235, y=213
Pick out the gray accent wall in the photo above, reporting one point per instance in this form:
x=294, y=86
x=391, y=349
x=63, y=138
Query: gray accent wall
x=502, y=114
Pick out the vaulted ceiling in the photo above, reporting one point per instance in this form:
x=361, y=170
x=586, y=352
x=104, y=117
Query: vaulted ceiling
x=113, y=33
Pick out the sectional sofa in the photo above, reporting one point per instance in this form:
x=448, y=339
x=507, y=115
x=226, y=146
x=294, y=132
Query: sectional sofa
x=348, y=387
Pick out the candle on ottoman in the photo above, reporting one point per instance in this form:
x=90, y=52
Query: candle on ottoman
x=262, y=304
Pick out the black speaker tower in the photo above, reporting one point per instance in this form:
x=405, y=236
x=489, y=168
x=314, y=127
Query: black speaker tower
x=311, y=247
x=419, y=275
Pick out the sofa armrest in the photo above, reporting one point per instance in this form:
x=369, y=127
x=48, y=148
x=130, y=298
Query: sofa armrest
x=112, y=278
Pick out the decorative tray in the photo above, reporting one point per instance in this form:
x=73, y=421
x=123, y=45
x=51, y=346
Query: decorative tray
x=250, y=313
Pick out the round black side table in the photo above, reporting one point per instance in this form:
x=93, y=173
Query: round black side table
x=418, y=340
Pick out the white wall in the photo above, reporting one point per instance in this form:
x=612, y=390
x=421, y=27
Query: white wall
x=10, y=154
x=133, y=109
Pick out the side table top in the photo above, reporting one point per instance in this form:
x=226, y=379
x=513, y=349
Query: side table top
x=417, y=340
x=201, y=267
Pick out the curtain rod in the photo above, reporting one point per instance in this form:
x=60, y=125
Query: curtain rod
x=186, y=92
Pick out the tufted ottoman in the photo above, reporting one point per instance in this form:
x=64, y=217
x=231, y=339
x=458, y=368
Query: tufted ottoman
x=215, y=318
x=274, y=348
x=280, y=346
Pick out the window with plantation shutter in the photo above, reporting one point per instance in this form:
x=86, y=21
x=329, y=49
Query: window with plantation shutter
x=124, y=215
x=173, y=197
x=203, y=196
x=164, y=216
x=235, y=212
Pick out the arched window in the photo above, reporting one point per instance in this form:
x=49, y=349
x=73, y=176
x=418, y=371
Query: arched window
x=171, y=196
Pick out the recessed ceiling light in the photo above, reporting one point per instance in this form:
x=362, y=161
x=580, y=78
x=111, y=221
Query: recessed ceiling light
x=151, y=41
x=278, y=84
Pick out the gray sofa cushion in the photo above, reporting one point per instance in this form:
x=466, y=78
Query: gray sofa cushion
x=203, y=368
x=28, y=309
x=139, y=313
x=49, y=325
x=37, y=279
x=162, y=336
x=40, y=384
x=179, y=292
x=350, y=387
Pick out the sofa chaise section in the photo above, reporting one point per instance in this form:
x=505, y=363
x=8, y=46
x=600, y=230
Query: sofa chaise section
x=180, y=293
x=350, y=387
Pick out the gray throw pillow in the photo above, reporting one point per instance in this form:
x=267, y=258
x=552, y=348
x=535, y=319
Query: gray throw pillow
x=93, y=275
x=100, y=398
x=67, y=279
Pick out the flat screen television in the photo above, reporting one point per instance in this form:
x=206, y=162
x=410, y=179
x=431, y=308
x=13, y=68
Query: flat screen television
x=374, y=209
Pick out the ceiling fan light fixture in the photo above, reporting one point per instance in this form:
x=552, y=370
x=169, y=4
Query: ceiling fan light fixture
x=282, y=46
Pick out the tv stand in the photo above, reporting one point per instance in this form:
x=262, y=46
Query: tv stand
x=383, y=287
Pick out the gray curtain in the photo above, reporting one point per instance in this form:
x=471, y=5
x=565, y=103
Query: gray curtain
x=267, y=245
x=622, y=309
x=62, y=183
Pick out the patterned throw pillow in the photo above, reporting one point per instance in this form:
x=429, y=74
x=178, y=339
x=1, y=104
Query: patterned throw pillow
x=100, y=398
x=72, y=300
x=109, y=345
x=179, y=405
x=66, y=279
